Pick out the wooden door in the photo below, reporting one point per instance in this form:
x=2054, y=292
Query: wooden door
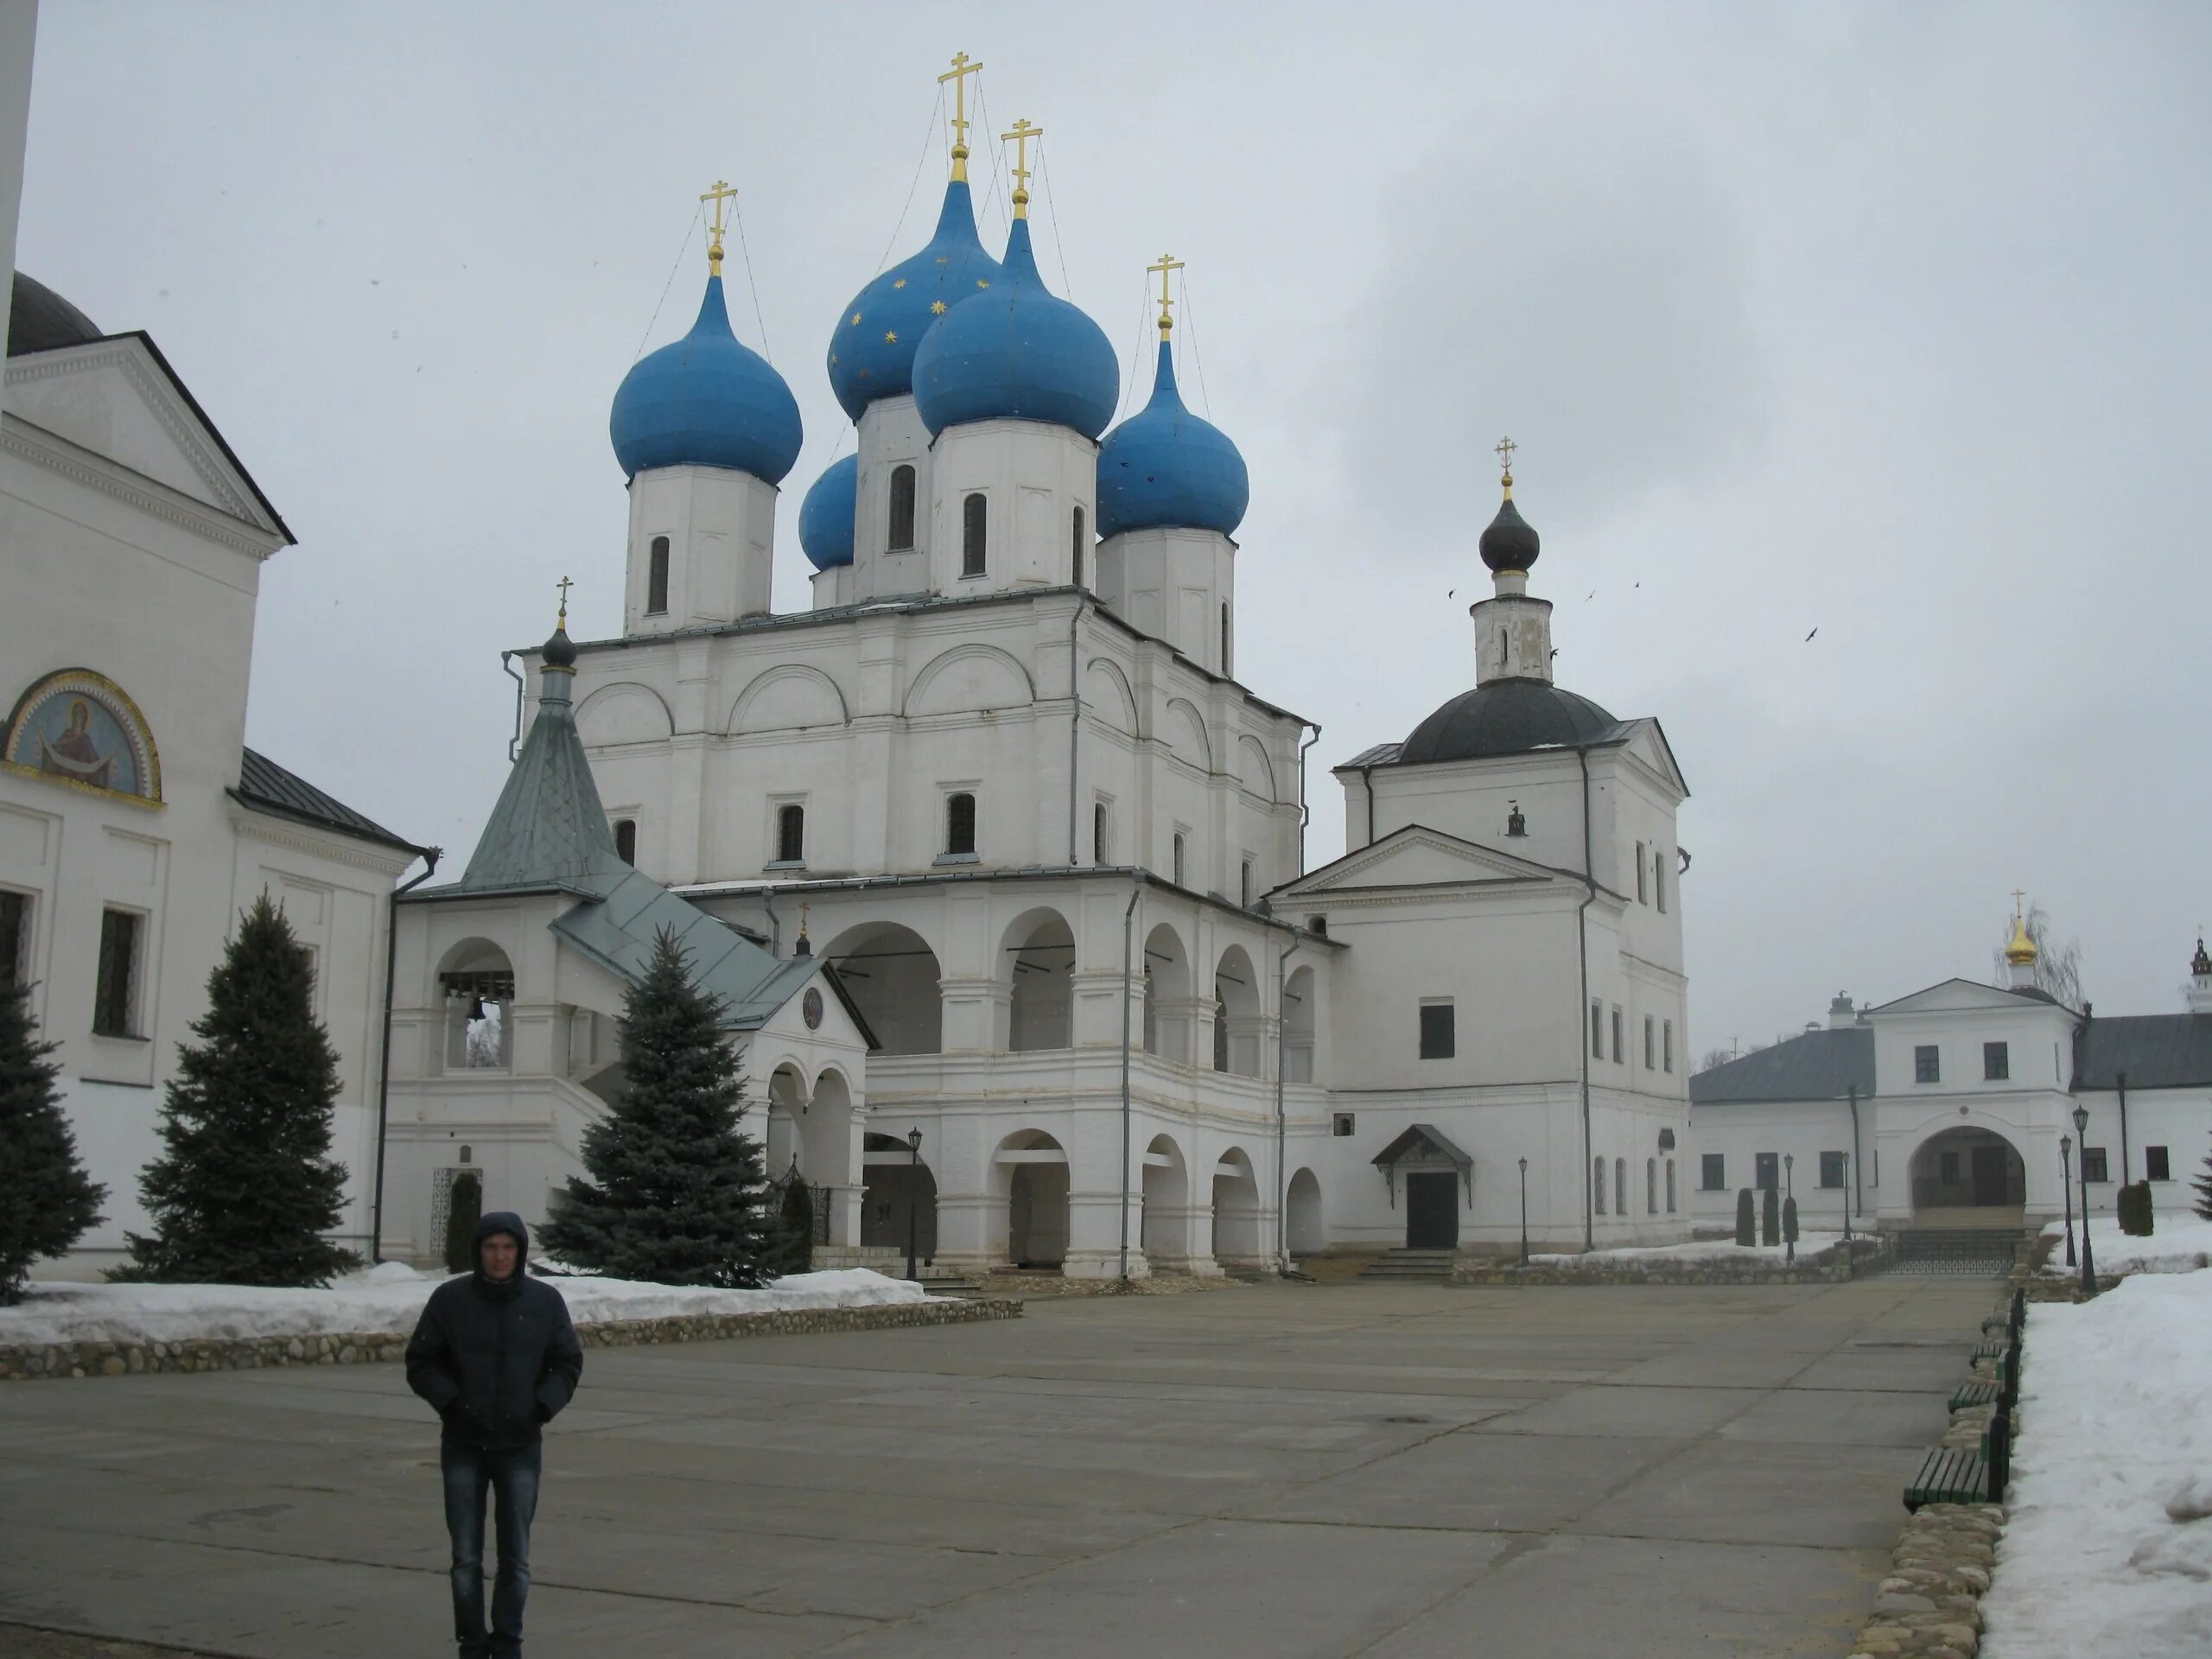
x=1431, y=1210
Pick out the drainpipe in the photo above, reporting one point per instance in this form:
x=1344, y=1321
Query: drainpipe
x=1582, y=1011
x=775, y=927
x=430, y=856
x=1075, y=726
x=1857, y=1170
x=1137, y=891
x=514, y=742
x=2124, y=1176
x=1282, y=1190
x=1305, y=812
x=1367, y=786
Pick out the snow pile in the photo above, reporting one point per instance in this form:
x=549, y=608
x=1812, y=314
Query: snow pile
x=1702, y=1249
x=389, y=1298
x=2108, y=1553
x=2180, y=1243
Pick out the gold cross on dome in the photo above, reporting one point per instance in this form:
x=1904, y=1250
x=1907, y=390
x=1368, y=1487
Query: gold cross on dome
x=722, y=195
x=1166, y=266
x=1022, y=133
x=1504, y=452
x=2019, y=897
x=962, y=68
x=564, y=584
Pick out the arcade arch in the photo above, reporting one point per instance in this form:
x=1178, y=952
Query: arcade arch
x=892, y=975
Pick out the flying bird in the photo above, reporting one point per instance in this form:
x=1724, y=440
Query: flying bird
x=1808, y=637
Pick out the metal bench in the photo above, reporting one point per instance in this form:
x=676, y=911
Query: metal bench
x=1974, y=1394
x=1950, y=1475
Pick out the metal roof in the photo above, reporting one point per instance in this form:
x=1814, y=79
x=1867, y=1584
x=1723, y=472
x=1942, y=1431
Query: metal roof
x=1813, y=1065
x=2157, y=1051
x=1423, y=1136
x=268, y=788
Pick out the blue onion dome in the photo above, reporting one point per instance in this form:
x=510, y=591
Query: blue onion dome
x=825, y=518
x=1511, y=543
x=1017, y=352
x=1164, y=468
x=707, y=400
x=872, y=352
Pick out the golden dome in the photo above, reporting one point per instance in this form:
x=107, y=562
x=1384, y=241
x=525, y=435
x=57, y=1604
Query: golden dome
x=2022, y=950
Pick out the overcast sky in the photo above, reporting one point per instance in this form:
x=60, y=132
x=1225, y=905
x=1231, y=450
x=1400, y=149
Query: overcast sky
x=1889, y=321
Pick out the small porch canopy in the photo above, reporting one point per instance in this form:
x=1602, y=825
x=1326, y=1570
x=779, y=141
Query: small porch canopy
x=1424, y=1147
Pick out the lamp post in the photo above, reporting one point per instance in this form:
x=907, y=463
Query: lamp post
x=2066, y=1186
x=1847, y=1199
x=2089, y=1255
x=1524, y=1212
x=1789, y=1192
x=913, y=1193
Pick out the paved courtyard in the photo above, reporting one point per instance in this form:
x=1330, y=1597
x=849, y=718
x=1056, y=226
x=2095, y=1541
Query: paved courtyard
x=1283, y=1470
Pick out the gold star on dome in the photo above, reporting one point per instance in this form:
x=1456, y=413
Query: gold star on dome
x=832, y=360
x=944, y=258
x=982, y=282
x=938, y=307
x=856, y=319
x=901, y=283
x=891, y=336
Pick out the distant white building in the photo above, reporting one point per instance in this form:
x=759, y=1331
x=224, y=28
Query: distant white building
x=135, y=824
x=1948, y=1108
x=1002, y=778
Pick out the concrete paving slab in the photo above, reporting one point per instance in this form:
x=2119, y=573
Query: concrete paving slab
x=1628, y=1411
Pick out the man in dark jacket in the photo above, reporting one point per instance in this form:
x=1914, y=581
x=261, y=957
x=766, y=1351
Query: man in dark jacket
x=496, y=1357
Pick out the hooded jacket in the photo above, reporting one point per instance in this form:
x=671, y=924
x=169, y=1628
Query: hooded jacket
x=496, y=1359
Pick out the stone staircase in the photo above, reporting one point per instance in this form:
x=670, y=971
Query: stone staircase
x=1410, y=1267
x=891, y=1264
x=1963, y=1250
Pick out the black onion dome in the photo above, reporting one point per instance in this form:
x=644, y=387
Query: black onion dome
x=1511, y=543
x=39, y=320
x=560, y=651
x=1505, y=717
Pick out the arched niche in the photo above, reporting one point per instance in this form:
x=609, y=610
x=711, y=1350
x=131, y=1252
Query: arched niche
x=79, y=728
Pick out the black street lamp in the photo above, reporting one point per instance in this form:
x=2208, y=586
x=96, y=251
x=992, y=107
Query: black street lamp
x=913, y=1192
x=1789, y=1192
x=2089, y=1255
x=1846, y=1198
x=1524, y=1212
x=2066, y=1186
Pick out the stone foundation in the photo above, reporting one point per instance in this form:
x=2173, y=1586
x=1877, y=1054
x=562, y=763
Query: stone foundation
x=86, y=1359
x=1830, y=1267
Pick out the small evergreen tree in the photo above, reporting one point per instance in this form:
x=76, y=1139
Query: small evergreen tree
x=2135, y=1215
x=464, y=1209
x=796, y=1224
x=1789, y=1221
x=1770, y=1217
x=1744, y=1223
x=245, y=1187
x=46, y=1201
x=2202, y=1185
x=673, y=1191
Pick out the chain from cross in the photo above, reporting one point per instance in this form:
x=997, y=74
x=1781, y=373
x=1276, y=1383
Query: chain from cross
x=1166, y=265
x=564, y=584
x=1504, y=454
x=962, y=68
x=1020, y=137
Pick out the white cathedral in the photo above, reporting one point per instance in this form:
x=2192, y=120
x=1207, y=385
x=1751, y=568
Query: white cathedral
x=999, y=867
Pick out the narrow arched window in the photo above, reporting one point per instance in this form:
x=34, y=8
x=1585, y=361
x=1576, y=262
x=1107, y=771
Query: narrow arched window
x=1597, y=1185
x=1076, y=546
x=657, y=577
x=1225, y=668
x=1670, y=1186
x=973, y=551
x=625, y=840
x=1178, y=858
x=1620, y=1186
x=1651, y=1187
x=791, y=833
x=960, y=823
x=902, y=510
x=1098, y=847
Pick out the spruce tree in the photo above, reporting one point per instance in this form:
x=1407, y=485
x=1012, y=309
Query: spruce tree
x=245, y=1187
x=1745, y=1226
x=2202, y=1184
x=673, y=1191
x=46, y=1201
x=1770, y=1217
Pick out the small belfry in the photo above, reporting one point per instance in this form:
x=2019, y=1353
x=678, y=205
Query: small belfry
x=1513, y=632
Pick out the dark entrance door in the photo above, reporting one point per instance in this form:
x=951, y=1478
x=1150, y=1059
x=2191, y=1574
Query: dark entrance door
x=1989, y=1183
x=1431, y=1210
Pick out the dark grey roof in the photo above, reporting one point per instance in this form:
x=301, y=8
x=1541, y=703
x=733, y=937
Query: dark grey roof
x=268, y=788
x=39, y=320
x=2157, y=1051
x=1509, y=717
x=1814, y=1066
x=1423, y=1137
x=548, y=828
x=1381, y=755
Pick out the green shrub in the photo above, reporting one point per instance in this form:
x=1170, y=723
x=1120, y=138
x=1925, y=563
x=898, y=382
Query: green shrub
x=1770, y=1218
x=466, y=1209
x=1789, y=1220
x=2135, y=1218
x=1744, y=1223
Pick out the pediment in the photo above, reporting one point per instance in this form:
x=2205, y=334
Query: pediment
x=1418, y=857
x=1960, y=996
x=1649, y=744
x=118, y=400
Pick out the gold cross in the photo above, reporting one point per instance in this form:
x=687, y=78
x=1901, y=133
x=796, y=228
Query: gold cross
x=1504, y=454
x=962, y=68
x=2018, y=894
x=564, y=584
x=1022, y=133
x=1166, y=265
x=721, y=195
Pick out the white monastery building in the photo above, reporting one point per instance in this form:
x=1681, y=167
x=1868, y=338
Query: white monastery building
x=989, y=845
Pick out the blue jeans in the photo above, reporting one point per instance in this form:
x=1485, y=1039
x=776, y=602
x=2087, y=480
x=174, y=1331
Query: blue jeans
x=512, y=1475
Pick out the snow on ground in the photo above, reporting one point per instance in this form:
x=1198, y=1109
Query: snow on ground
x=1702, y=1249
x=2179, y=1243
x=389, y=1298
x=2098, y=1560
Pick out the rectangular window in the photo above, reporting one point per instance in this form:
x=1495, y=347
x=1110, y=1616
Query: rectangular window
x=1666, y=1049
x=1659, y=878
x=1079, y=540
x=657, y=577
x=1436, y=1038
x=901, y=538
x=1176, y=853
x=974, y=525
x=1225, y=668
x=1620, y=1047
x=1244, y=885
x=1640, y=898
x=791, y=832
x=625, y=840
x=1098, y=844
x=1650, y=1041
x=15, y=939
x=115, y=998
x=1712, y=1173
x=1927, y=1067
x=2155, y=1165
x=2093, y=1164
x=1597, y=1030
x=1831, y=1169
x=1766, y=1171
x=960, y=823
x=1341, y=1125
x=1996, y=1062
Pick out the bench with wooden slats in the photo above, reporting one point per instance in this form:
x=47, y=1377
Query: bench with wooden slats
x=1950, y=1475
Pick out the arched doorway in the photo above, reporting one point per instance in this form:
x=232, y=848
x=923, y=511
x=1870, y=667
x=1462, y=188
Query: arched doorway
x=1036, y=1175
x=1039, y=954
x=1166, y=995
x=1237, y=1211
x=891, y=974
x=1967, y=1178
x=897, y=1187
x=1236, y=1014
x=1304, y=1233
x=1166, y=1228
x=1298, y=1026
x=783, y=1145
